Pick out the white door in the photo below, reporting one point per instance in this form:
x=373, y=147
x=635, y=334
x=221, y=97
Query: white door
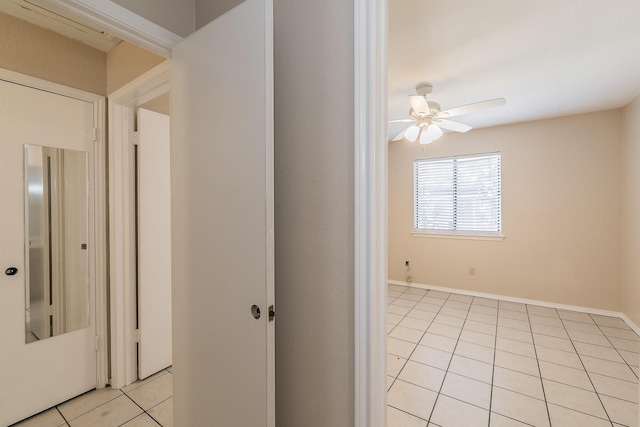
x=222, y=221
x=46, y=371
x=154, y=243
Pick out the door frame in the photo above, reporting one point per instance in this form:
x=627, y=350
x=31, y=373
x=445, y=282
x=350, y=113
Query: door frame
x=122, y=217
x=98, y=261
x=370, y=222
x=370, y=187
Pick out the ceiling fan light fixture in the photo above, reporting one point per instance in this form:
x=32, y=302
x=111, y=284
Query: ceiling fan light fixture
x=430, y=134
x=412, y=133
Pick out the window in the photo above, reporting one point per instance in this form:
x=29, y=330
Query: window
x=458, y=195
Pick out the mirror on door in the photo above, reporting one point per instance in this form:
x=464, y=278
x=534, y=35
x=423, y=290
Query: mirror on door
x=57, y=251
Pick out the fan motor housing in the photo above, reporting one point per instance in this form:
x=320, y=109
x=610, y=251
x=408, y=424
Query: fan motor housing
x=424, y=89
x=434, y=108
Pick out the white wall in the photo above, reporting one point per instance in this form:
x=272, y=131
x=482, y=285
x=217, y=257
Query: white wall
x=177, y=16
x=560, y=208
x=631, y=211
x=180, y=17
x=314, y=124
x=207, y=10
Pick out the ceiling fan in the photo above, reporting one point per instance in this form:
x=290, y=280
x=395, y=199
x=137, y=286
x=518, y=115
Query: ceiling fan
x=428, y=120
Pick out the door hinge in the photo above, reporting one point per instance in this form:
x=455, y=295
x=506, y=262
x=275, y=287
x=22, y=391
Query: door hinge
x=136, y=138
x=272, y=313
x=137, y=335
x=97, y=343
x=95, y=134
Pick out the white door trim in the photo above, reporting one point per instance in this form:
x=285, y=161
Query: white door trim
x=370, y=222
x=122, y=233
x=98, y=262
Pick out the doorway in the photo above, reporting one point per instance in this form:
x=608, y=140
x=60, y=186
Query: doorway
x=125, y=224
x=153, y=241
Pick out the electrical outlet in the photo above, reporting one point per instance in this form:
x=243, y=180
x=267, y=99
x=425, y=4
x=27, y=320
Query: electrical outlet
x=472, y=271
x=406, y=263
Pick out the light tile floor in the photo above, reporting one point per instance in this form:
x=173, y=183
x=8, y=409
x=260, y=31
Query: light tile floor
x=456, y=360
x=146, y=403
x=453, y=361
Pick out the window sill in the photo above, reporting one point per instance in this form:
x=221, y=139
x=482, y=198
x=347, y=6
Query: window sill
x=457, y=236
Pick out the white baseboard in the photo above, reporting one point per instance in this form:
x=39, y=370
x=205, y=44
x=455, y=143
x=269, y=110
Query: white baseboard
x=524, y=301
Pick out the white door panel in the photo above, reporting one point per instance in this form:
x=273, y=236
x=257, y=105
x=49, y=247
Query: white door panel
x=154, y=243
x=222, y=220
x=41, y=374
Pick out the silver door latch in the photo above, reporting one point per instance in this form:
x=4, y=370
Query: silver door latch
x=272, y=313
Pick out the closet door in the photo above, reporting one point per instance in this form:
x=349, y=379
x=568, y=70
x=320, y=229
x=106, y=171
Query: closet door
x=222, y=221
x=154, y=243
x=47, y=250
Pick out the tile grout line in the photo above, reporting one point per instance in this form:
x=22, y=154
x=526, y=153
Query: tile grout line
x=535, y=351
x=416, y=344
x=63, y=417
x=613, y=346
x=595, y=390
x=86, y=412
x=414, y=349
x=493, y=368
x=450, y=360
x=141, y=408
x=67, y=422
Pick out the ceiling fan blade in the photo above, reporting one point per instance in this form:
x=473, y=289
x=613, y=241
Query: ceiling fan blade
x=470, y=108
x=401, y=121
x=419, y=103
x=430, y=134
x=410, y=133
x=400, y=136
x=451, y=125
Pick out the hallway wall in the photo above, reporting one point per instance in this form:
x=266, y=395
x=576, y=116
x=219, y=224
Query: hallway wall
x=125, y=62
x=28, y=49
x=314, y=201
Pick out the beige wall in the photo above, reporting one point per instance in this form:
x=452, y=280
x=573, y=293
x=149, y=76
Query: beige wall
x=314, y=213
x=31, y=50
x=161, y=104
x=631, y=212
x=561, y=206
x=125, y=62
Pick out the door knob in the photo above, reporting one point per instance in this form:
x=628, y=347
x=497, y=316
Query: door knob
x=11, y=271
x=255, y=311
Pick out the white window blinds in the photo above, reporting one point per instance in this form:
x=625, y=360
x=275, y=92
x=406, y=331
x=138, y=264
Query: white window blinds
x=458, y=195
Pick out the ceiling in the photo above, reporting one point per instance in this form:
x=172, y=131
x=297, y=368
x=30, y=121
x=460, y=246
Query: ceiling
x=548, y=58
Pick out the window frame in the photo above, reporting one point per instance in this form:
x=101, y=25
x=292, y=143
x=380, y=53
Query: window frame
x=452, y=233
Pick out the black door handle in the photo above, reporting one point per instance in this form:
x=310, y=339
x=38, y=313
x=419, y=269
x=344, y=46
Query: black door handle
x=11, y=271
